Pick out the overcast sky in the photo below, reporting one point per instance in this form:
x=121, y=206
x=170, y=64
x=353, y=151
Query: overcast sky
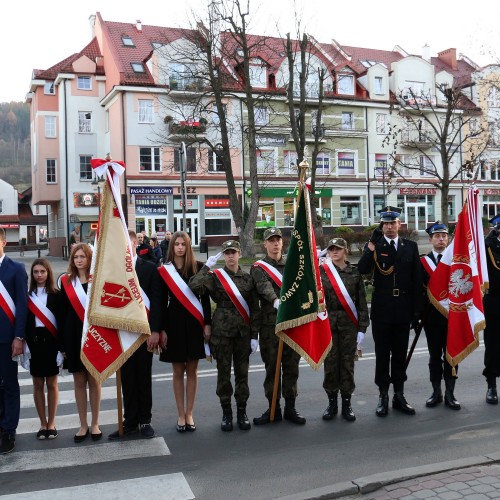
x=39, y=34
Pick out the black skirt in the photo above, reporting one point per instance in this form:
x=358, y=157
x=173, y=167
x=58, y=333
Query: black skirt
x=43, y=348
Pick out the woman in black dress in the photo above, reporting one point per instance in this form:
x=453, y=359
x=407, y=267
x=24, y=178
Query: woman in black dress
x=41, y=336
x=71, y=329
x=184, y=337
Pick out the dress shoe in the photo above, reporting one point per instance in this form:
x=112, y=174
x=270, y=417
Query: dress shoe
x=242, y=419
x=8, y=443
x=147, y=431
x=347, y=412
x=51, y=433
x=227, y=422
x=333, y=407
x=190, y=427
x=127, y=431
x=96, y=437
x=265, y=418
x=41, y=434
x=383, y=405
x=492, y=396
x=399, y=403
x=449, y=397
x=291, y=414
x=181, y=428
x=436, y=396
x=79, y=439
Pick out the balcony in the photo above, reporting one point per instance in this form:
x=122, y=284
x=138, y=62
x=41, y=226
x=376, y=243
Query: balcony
x=415, y=139
x=186, y=128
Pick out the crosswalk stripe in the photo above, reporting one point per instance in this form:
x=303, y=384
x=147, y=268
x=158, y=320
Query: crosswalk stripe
x=83, y=455
x=167, y=486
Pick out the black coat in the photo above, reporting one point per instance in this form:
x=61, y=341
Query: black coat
x=151, y=283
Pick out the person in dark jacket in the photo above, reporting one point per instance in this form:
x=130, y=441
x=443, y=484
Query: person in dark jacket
x=144, y=249
x=396, y=305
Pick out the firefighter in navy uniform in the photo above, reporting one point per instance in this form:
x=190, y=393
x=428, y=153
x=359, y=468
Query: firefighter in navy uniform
x=396, y=305
x=491, y=303
x=436, y=325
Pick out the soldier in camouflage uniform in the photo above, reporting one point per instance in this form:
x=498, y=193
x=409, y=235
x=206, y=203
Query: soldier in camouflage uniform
x=347, y=336
x=233, y=337
x=269, y=290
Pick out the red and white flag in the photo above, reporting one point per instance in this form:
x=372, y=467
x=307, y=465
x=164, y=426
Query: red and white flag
x=456, y=286
x=116, y=321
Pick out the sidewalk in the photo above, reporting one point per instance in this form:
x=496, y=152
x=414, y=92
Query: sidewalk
x=474, y=478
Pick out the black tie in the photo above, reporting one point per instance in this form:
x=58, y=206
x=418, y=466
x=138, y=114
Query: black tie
x=439, y=258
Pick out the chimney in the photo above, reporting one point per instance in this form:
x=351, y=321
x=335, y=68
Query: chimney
x=92, y=26
x=449, y=57
x=138, y=25
x=426, y=53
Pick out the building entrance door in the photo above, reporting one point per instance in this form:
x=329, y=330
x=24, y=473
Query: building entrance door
x=416, y=216
x=191, y=227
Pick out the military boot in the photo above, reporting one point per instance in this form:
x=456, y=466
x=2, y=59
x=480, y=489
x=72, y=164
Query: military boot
x=383, y=404
x=292, y=414
x=241, y=417
x=227, y=418
x=449, y=398
x=399, y=403
x=491, y=394
x=347, y=412
x=436, y=396
x=332, y=408
x=265, y=418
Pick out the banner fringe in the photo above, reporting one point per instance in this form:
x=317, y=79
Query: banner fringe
x=129, y=325
x=292, y=323
x=313, y=364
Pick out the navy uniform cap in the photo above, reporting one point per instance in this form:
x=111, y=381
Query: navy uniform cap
x=495, y=220
x=389, y=214
x=437, y=227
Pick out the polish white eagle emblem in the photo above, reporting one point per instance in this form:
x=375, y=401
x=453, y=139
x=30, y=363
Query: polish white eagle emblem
x=460, y=284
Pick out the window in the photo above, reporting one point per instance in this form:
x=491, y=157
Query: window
x=312, y=81
x=378, y=85
x=190, y=160
x=417, y=88
x=215, y=162
x=494, y=97
x=145, y=111
x=138, y=67
x=495, y=170
x=493, y=137
x=345, y=84
x=427, y=167
x=182, y=77
x=345, y=163
x=381, y=123
x=290, y=159
x=265, y=161
x=149, y=160
x=49, y=89
x=473, y=126
x=127, y=41
x=84, y=83
x=381, y=166
x=84, y=121
x=347, y=121
x=50, y=126
x=85, y=168
x=350, y=210
x=451, y=208
x=218, y=226
x=50, y=176
x=378, y=203
x=261, y=116
x=258, y=73
x=215, y=115
x=323, y=164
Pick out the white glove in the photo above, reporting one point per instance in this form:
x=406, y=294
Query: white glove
x=359, y=340
x=276, y=303
x=212, y=261
x=59, y=359
x=254, y=343
x=321, y=253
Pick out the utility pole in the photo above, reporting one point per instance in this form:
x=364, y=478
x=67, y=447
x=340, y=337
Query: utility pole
x=183, y=173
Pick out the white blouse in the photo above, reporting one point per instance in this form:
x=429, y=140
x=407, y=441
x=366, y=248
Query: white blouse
x=42, y=297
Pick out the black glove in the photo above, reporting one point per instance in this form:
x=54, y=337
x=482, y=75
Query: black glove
x=416, y=323
x=377, y=234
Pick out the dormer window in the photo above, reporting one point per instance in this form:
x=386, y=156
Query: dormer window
x=345, y=84
x=48, y=88
x=258, y=73
x=138, y=67
x=127, y=41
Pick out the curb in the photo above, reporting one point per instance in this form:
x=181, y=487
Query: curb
x=368, y=484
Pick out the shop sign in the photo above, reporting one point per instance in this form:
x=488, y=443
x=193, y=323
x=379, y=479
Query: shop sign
x=291, y=193
x=217, y=214
x=270, y=140
x=191, y=204
x=151, y=190
x=416, y=191
x=150, y=205
x=9, y=226
x=216, y=203
x=85, y=200
x=491, y=192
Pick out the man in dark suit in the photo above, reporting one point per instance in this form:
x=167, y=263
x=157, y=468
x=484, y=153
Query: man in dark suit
x=136, y=371
x=396, y=305
x=436, y=325
x=144, y=249
x=13, y=312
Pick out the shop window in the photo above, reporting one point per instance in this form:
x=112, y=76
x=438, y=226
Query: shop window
x=140, y=225
x=350, y=210
x=265, y=217
x=215, y=227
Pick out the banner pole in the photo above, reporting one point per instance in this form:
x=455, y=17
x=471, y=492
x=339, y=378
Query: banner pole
x=277, y=375
x=119, y=401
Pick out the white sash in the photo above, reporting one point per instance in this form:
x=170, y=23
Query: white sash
x=43, y=313
x=146, y=300
x=80, y=292
x=233, y=293
x=428, y=264
x=339, y=286
x=273, y=273
x=7, y=304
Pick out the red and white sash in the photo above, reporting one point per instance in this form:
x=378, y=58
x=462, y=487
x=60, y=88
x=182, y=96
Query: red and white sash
x=234, y=294
x=76, y=295
x=271, y=271
x=182, y=292
x=7, y=304
x=43, y=313
x=341, y=291
x=428, y=264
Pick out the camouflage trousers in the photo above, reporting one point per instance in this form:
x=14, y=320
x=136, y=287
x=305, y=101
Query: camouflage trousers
x=287, y=384
x=227, y=351
x=339, y=363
